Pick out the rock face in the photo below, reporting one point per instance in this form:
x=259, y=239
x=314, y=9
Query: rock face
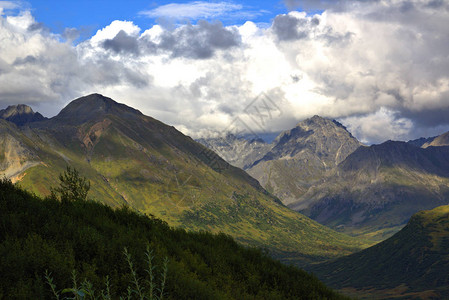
x=300, y=157
x=15, y=154
x=376, y=189
x=441, y=140
x=20, y=114
x=421, y=141
x=238, y=151
x=436, y=141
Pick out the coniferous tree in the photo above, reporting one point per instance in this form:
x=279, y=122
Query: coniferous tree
x=72, y=187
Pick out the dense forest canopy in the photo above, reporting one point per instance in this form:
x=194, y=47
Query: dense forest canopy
x=47, y=235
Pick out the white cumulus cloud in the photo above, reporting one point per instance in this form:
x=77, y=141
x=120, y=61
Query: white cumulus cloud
x=380, y=67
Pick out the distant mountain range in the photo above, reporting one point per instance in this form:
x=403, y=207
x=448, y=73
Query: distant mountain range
x=295, y=161
x=412, y=264
x=376, y=189
x=132, y=159
x=441, y=140
x=238, y=151
x=321, y=170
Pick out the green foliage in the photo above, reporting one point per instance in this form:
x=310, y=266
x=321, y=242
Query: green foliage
x=86, y=290
x=72, y=187
x=52, y=286
x=46, y=234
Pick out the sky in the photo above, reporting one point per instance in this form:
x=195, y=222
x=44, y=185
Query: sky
x=380, y=67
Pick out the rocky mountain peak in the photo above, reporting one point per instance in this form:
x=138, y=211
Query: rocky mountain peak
x=237, y=150
x=20, y=114
x=14, y=110
x=315, y=120
x=93, y=106
x=314, y=132
x=300, y=157
x=441, y=140
x=436, y=141
x=320, y=122
x=421, y=141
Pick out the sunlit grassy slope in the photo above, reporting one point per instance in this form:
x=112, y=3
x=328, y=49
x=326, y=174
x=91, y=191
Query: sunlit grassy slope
x=134, y=159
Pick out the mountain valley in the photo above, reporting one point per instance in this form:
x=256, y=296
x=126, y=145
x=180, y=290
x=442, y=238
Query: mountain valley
x=318, y=168
x=135, y=160
x=355, y=195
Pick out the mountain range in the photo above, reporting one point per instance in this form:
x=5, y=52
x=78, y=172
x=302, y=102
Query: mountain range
x=318, y=168
x=134, y=160
x=376, y=189
x=237, y=151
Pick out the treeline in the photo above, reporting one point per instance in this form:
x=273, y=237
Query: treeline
x=48, y=236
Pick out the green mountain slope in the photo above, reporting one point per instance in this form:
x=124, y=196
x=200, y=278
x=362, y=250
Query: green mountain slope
x=377, y=189
x=412, y=263
x=134, y=159
x=47, y=235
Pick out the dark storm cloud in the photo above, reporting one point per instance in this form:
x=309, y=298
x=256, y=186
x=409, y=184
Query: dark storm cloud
x=413, y=13
x=428, y=118
x=435, y=4
x=57, y=74
x=36, y=26
x=226, y=108
x=196, y=41
x=108, y=72
x=122, y=42
x=332, y=38
x=23, y=61
x=28, y=95
x=288, y=28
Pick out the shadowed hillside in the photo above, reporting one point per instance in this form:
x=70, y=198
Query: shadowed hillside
x=377, y=189
x=413, y=262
